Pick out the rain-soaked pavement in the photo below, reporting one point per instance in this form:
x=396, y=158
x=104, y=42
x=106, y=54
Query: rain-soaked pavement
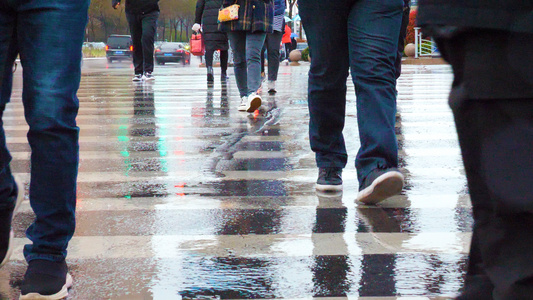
x=182, y=196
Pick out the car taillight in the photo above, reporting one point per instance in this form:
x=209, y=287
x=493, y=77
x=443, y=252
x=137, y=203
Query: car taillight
x=106, y=47
x=157, y=50
x=131, y=48
x=179, y=50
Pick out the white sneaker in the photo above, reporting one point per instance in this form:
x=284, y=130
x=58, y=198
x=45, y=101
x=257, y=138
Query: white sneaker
x=271, y=86
x=138, y=77
x=244, y=104
x=148, y=76
x=254, y=102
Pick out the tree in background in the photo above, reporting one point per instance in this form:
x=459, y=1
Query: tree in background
x=175, y=20
x=290, y=5
x=104, y=21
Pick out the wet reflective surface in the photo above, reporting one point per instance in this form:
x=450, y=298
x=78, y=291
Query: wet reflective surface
x=182, y=196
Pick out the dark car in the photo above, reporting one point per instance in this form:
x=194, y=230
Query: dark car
x=172, y=52
x=119, y=47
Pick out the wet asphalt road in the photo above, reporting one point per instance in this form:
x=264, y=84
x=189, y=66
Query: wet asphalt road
x=182, y=196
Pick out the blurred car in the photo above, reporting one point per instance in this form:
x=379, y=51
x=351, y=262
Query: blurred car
x=172, y=52
x=119, y=47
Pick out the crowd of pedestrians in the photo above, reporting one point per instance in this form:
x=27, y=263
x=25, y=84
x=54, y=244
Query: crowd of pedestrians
x=491, y=102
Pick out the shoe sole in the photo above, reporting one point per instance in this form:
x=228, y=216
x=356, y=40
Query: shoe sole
x=383, y=187
x=20, y=197
x=254, y=104
x=329, y=194
x=63, y=293
x=328, y=188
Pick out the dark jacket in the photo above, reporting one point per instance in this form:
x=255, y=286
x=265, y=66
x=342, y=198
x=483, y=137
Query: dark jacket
x=509, y=15
x=139, y=6
x=279, y=7
x=207, y=15
x=254, y=16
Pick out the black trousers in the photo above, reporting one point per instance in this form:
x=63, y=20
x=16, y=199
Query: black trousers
x=142, y=29
x=224, y=56
x=495, y=128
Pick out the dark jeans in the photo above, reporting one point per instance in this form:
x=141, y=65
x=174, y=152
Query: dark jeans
x=288, y=49
x=142, y=29
x=246, y=48
x=496, y=138
x=272, y=45
x=209, y=53
x=51, y=60
x=401, y=39
x=361, y=35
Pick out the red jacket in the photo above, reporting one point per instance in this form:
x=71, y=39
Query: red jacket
x=286, y=39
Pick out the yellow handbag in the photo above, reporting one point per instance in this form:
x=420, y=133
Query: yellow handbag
x=229, y=13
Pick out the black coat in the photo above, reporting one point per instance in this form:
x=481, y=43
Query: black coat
x=207, y=15
x=508, y=15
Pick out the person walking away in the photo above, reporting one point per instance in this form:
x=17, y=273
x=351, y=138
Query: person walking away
x=246, y=36
x=492, y=103
x=364, y=36
x=206, y=18
x=272, y=46
x=48, y=35
x=286, y=40
x=142, y=18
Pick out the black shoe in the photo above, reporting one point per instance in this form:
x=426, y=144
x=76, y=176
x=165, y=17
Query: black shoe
x=379, y=185
x=223, y=77
x=329, y=180
x=46, y=279
x=210, y=78
x=6, y=218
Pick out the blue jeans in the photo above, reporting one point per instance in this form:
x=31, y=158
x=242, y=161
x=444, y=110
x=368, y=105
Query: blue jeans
x=361, y=35
x=272, y=45
x=247, y=48
x=48, y=35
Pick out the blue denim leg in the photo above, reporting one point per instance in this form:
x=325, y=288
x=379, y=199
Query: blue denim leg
x=237, y=40
x=373, y=30
x=49, y=37
x=362, y=35
x=254, y=45
x=325, y=26
x=8, y=53
x=246, y=48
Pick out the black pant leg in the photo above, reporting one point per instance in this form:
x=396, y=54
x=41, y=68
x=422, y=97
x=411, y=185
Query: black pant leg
x=149, y=25
x=495, y=137
x=224, y=56
x=209, y=53
x=135, y=25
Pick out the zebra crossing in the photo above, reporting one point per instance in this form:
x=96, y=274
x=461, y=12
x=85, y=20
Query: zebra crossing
x=180, y=196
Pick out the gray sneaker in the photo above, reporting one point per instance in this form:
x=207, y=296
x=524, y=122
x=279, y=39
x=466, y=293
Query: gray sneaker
x=379, y=185
x=329, y=180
